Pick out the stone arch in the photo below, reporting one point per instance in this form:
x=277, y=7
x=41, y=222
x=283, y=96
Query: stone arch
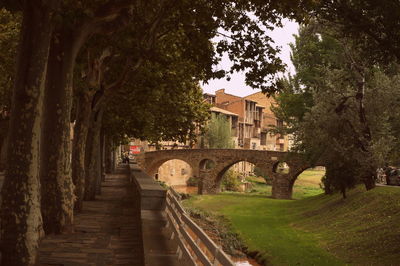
x=283, y=184
x=224, y=158
x=175, y=172
x=152, y=169
x=277, y=164
x=300, y=171
x=266, y=166
x=203, y=164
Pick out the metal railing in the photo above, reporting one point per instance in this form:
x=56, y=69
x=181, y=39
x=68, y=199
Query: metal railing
x=194, y=246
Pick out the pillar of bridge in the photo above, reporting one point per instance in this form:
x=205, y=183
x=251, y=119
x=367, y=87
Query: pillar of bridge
x=282, y=186
x=207, y=182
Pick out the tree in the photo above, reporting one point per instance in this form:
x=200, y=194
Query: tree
x=76, y=25
x=373, y=25
x=157, y=107
x=151, y=21
x=53, y=34
x=9, y=27
x=218, y=133
x=21, y=221
x=334, y=117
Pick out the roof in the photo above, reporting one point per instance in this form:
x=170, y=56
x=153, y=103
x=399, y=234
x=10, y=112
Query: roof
x=253, y=94
x=222, y=111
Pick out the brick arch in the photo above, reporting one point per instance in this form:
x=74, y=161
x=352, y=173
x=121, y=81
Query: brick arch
x=266, y=167
x=203, y=161
x=300, y=170
x=152, y=168
x=224, y=158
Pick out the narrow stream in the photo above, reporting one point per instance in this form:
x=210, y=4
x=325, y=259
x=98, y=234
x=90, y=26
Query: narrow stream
x=238, y=261
x=245, y=262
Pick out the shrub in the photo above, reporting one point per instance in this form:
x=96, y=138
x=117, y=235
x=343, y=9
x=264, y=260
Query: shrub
x=163, y=184
x=259, y=172
x=231, y=181
x=192, y=181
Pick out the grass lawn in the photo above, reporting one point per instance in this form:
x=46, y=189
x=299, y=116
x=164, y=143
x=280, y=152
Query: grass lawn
x=307, y=184
x=364, y=229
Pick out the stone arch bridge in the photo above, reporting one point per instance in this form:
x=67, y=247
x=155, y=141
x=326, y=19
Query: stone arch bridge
x=223, y=159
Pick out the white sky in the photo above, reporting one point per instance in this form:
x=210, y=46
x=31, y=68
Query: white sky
x=236, y=86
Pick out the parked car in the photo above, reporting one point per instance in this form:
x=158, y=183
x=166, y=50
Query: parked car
x=393, y=177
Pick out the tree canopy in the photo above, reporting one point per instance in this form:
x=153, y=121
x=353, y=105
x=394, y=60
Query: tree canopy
x=218, y=133
x=337, y=107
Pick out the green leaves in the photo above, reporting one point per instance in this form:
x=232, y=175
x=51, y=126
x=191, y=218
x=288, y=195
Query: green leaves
x=337, y=105
x=218, y=133
x=9, y=37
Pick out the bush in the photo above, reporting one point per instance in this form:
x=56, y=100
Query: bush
x=231, y=181
x=259, y=172
x=192, y=181
x=163, y=184
x=326, y=185
x=219, y=229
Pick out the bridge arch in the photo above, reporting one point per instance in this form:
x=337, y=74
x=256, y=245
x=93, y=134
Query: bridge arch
x=224, y=158
x=266, y=167
x=312, y=177
x=174, y=172
x=206, y=164
x=152, y=169
x=281, y=167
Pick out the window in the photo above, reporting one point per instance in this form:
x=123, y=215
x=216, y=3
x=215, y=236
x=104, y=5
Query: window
x=263, y=138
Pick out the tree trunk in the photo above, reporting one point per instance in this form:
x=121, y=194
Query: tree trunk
x=343, y=191
x=102, y=154
x=21, y=220
x=369, y=180
x=98, y=161
x=108, y=154
x=55, y=173
x=79, y=147
x=369, y=176
x=3, y=150
x=114, y=160
x=93, y=174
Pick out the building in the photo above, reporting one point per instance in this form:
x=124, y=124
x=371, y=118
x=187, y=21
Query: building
x=251, y=121
x=255, y=120
x=268, y=140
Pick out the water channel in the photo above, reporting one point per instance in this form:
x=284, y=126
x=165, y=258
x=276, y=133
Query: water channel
x=238, y=261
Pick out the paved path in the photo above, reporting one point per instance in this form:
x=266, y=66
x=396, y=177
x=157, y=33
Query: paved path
x=107, y=232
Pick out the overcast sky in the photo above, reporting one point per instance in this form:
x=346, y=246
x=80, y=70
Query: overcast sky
x=236, y=86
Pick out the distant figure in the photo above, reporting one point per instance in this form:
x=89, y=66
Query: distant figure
x=125, y=157
x=380, y=173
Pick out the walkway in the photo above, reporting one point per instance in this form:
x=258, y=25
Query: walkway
x=107, y=232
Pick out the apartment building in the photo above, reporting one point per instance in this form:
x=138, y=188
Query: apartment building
x=255, y=120
x=269, y=141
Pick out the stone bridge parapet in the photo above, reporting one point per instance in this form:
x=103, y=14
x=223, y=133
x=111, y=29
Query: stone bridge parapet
x=210, y=179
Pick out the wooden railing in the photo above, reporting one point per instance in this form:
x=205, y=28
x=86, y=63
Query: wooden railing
x=194, y=246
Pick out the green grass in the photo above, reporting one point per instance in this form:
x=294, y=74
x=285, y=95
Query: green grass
x=306, y=185
x=319, y=230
